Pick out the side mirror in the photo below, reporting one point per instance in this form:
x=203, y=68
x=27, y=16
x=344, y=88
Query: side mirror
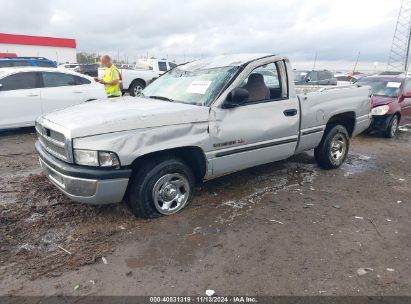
x=308, y=79
x=1, y=86
x=237, y=97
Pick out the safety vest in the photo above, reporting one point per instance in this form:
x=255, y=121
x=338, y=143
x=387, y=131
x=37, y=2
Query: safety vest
x=109, y=75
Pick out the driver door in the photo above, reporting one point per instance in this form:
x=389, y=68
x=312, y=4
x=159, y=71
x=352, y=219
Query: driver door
x=262, y=130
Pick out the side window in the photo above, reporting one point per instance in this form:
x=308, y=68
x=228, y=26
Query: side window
x=52, y=79
x=45, y=64
x=330, y=75
x=81, y=80
x=162, y=66
x=266, y=82
x=322, y=75
x=312, y=76
x=19, y=81
x=172, y=65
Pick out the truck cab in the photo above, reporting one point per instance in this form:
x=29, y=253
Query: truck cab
x=202, y=120
x=156, y=65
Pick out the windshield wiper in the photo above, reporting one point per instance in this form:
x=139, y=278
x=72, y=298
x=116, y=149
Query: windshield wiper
x=161, y=98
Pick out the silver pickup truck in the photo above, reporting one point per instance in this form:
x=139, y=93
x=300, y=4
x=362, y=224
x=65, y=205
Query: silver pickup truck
x=201, y=120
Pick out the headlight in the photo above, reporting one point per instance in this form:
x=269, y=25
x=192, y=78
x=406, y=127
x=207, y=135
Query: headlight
x=86, y=157
x=96, y=158
x=108, y=159
x=381, y=110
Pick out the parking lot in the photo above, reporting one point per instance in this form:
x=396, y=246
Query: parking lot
x=286, y=228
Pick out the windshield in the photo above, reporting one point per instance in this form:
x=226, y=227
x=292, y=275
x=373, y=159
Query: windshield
x=382, y=87
x=299, y=75
x=198, y=87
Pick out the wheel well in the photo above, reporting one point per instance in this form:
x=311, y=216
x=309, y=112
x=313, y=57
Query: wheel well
x=346, y=119
x=399, y=116
x=193, y=156
x=139, y=80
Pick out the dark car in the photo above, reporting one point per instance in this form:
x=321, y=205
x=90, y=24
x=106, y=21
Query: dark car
x=391, y=102
x=87, y=69
x=26, y=62
x=314, y=77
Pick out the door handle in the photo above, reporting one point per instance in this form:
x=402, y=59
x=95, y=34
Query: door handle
x=32, y=95
x=77, y=92
x=290, y=112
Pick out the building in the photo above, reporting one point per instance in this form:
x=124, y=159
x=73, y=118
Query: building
x=61, y=50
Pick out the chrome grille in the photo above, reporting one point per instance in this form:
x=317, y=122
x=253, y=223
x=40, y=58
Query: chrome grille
x=52, y=141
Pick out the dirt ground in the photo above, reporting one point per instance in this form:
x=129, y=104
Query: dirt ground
x=287, y=228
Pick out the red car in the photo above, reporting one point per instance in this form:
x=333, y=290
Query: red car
x=391, y=102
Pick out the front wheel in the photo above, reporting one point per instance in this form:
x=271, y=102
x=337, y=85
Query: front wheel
x=160, y=187
x=392, y=127
x=333, y=148
x=136, y=88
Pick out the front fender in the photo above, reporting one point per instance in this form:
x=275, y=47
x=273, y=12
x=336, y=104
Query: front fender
x=131, y=144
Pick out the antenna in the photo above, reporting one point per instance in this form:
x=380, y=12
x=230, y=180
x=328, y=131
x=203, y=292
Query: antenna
x=400, y=48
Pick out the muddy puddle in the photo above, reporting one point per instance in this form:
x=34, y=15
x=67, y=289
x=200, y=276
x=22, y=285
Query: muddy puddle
x=358, y=163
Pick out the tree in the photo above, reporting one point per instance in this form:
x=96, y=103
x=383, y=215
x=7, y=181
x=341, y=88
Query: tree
x=84, y=57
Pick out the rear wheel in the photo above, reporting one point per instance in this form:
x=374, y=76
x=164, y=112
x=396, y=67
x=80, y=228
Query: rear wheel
x=333, y=148
x=160, y=187
x=136, y=88
x=392, y=127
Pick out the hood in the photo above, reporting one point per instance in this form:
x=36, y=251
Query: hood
x=125, y=113
x=382, y=100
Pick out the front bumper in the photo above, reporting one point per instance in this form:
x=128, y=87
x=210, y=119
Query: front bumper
x=381, y=123
x=95, y=186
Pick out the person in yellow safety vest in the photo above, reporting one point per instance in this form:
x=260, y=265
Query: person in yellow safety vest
x=110, y=78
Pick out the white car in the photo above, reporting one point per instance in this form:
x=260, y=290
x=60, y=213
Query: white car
x=28, y=92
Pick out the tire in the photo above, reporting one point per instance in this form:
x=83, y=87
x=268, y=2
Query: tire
x=162, y=186
x=136, y=87
x=333, y=148
x=392, y=127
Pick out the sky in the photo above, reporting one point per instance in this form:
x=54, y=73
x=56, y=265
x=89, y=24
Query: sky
x=184, y=30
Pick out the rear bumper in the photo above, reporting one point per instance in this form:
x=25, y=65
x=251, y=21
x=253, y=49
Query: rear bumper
x=85, y=185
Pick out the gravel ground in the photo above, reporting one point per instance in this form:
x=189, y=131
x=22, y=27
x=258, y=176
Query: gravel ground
x=287, y=228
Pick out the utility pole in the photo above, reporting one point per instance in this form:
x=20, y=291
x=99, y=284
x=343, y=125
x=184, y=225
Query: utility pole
x=400, y=48
x=356, y=62
x=315, y=60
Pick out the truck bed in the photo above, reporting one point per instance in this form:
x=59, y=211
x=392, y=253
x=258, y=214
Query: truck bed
x=319, y=103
